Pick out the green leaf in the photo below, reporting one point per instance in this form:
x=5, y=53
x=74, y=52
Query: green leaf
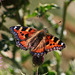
x=43, y=69
x=57, y=55
x=42, y=9
x=46, y=63
x=69, y=73
x=11, y=70
x=51, y=73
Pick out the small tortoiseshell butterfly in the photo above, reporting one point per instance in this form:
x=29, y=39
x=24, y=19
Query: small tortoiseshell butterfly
x=36, y=40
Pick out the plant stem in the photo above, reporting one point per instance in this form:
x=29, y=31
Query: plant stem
x=24, y=19
x=66, y=4
x=37, y=70
x=64, y=19
x=14, y=51
x=19, y=19
x=57, y=68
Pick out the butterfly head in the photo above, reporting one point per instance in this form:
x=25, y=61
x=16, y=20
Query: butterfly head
x=45, y=30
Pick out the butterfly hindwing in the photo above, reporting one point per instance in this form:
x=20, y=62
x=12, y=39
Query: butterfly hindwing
x=38, y=45
x=53, y=43
x=40, y=48
x=22, y=34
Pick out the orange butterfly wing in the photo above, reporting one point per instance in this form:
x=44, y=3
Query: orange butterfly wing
x=53, y=43
x=22, y=34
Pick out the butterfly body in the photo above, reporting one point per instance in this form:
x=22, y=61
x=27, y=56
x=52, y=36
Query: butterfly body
x=36, y=40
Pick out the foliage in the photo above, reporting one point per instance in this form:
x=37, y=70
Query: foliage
x=42, y=9
x=12, y=8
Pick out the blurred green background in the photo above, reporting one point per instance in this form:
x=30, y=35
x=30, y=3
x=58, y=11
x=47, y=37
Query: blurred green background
x=37, y=14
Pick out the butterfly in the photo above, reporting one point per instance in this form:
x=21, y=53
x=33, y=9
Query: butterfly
x=38, y=41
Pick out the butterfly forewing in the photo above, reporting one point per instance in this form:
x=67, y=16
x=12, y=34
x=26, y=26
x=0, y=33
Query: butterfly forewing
x=53, y=43
x=22, y=34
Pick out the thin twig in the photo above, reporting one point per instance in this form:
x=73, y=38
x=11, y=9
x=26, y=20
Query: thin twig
x=66, y=4
x=64, y=19
x=37, y=70
x=57, y=68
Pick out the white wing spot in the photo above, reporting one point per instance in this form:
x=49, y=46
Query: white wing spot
x=62, y=43
x=15, y=27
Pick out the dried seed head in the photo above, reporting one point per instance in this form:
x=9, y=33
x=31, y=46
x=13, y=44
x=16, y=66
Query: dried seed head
x=38, y=60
